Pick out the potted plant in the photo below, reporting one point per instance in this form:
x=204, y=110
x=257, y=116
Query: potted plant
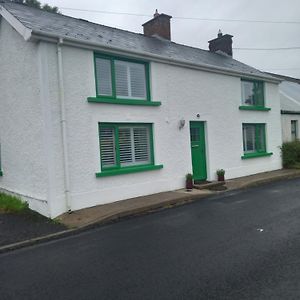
x=220, y=174
x=189, y=182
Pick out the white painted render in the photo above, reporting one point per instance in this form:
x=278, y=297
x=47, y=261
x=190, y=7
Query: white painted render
x=183, y=92
x=22, y=128
x=286, y=126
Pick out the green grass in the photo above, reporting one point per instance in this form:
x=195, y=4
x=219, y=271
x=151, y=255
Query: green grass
x=12, y=204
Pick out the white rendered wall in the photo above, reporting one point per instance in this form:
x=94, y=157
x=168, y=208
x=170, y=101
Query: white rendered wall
x=286, y=126
x=21, y=120
x=183, y=93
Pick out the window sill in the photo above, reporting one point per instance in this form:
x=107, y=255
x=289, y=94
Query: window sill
x=253, y=155
x=259, y=108
x=123, y=101
x=129, y=170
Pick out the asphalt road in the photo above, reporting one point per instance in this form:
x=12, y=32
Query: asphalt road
x=242, y=245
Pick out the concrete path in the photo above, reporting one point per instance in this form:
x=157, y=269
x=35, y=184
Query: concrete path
x=134, y=206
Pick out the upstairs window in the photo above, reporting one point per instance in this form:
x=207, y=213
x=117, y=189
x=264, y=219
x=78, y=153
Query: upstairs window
x=121, y=79
x=252, y=93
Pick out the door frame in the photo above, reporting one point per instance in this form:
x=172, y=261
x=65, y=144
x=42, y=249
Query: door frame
x=202, y=127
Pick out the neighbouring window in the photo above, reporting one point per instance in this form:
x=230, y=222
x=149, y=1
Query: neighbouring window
x=252, y=93
x=294, y=130
x=254, y=140
x=124, y=145
x=121, y=79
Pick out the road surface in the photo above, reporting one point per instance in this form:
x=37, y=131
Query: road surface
x=240, y=245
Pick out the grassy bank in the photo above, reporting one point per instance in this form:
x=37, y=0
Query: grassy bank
x=12, y=204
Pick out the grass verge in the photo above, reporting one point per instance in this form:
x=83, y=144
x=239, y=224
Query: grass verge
x=11, y=204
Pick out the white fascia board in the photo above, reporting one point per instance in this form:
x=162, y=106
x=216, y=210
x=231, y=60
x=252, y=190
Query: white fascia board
x=51, y=37
x=16, y=24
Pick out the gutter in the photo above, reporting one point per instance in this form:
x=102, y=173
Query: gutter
x=290, y=112
x=63, y=124
x=69, y=41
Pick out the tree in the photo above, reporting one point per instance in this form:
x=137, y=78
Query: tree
x=49, y=8
x=38, y=4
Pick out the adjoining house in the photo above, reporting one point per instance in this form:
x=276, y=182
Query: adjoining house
x=92, y=114
x=289, y=90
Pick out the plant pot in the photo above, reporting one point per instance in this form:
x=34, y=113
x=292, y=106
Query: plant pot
x=189, y=184
x=221, y=178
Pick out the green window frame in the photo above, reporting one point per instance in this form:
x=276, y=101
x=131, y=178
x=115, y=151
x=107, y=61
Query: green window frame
x=254, y=140
x=253, y=95
x=120, y=80
x=126, y=148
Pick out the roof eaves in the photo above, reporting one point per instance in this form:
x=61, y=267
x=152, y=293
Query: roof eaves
x=290, y=112
x=15, y=23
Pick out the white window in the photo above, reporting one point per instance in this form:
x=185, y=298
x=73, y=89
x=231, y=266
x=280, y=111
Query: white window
x=121, y=79
x=103, y=74
x=294, y=130
x=254, y=138
x=130, y=80
x=124, y=145
x=252, y=93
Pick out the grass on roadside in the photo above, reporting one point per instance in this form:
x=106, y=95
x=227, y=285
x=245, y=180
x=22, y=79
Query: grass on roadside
x=12, y=204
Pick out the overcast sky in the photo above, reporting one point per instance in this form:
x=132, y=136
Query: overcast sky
x=196, y=33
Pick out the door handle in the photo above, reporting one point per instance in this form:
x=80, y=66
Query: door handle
x=194, y=146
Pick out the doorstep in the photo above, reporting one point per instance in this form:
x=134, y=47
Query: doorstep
x=209, y=185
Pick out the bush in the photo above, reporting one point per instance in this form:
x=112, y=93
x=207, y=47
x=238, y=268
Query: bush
x=290, y=152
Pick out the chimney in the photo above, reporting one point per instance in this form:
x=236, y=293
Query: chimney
x=221, y=43
x=159, y=25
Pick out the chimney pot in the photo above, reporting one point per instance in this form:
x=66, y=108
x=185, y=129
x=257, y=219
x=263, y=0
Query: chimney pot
x=159, y=25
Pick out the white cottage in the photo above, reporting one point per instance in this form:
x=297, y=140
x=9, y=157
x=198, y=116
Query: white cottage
x=289, y=91
x=92, y=114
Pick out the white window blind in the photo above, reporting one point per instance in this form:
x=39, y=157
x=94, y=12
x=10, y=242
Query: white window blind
x=131, y=148
x=103, y=75
x=141, y=144
x=126, y=146
x=247, y=93
x=249, y=138
x=134, y=145
x=107, y=145
x=130, y=80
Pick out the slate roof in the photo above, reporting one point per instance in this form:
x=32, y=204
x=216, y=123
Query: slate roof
x=289, y=91
x=83, y=31
x=289, y=96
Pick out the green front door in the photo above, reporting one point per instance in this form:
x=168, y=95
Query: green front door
x=197, y=135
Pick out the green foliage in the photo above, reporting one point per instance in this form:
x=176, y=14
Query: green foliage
x=290, y=153
x=38, y=4
x=49, y=8
x=12, y=204
x=189, y=176
x=220, y=172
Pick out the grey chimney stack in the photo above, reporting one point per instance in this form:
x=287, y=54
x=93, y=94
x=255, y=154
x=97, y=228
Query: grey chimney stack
x=159, y=25
x=221, y=43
